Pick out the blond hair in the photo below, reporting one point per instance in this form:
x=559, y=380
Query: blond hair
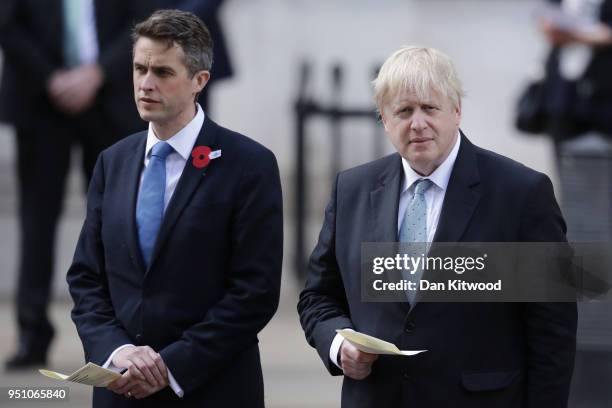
x=419, y=71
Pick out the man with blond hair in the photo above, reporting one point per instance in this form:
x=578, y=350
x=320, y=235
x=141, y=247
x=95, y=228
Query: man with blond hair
x=438, y=187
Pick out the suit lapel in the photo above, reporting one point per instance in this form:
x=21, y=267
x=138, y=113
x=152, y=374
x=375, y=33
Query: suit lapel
x=100, y=15
x=384, y=202
x=133, y=169
x=461, y=196
x=460, y=201
x=189, y=181
x=55, y=17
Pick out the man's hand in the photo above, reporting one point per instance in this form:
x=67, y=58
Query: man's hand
x=129, y=386
x=355, y=363
x=144, y=365
x=598, y=35
x=75, y=90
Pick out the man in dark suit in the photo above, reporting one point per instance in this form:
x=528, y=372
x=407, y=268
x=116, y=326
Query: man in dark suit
x=178, y=264
x=65, y=82
x=437, y=187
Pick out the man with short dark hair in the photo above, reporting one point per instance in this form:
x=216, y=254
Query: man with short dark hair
x=172, y=279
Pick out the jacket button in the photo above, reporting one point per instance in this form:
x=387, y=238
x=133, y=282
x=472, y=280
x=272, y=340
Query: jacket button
x=407, y=376
x=139, y=338
x=410, y=326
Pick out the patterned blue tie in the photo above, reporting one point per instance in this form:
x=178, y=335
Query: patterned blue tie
x=414, y=230
x=150, y=206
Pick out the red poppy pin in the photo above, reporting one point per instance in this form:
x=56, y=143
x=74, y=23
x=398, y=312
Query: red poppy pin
x=200, y=156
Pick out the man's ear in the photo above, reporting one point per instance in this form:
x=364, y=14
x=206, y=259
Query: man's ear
x=383, y=119
x=458, y=115
x=200, y=79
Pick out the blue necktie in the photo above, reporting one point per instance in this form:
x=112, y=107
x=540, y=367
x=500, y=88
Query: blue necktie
x=150, y=206
x=414, y=230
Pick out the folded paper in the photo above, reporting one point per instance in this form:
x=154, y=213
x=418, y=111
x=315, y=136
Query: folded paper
x=373, y=345
x=89, y=374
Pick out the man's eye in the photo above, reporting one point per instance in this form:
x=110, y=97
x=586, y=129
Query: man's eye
x=429, y=108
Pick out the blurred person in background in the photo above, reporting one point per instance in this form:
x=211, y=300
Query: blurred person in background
x=208, y=12
x=579, y=109
x=579, y=84
x=66, y=81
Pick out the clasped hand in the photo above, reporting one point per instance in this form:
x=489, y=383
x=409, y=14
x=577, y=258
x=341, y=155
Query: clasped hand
x=74, y=91
x=146, y=372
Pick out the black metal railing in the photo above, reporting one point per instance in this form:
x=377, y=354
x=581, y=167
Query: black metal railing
x=307, y=108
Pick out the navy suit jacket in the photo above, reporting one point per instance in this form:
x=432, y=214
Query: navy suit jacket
x=479, y=354
x=214, y=279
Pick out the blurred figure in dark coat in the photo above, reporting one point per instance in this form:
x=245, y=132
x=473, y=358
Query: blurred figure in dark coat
x=66, y=80
x=579, y=105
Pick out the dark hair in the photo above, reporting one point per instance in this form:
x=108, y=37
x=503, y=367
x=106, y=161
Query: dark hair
x=183, y=28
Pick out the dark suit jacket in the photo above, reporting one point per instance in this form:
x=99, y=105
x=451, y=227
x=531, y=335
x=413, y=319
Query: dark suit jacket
x=214, y=278
x=480, y=354
x=31, y=36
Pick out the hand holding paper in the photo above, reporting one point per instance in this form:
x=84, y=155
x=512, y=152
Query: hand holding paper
x=373, y=345
x=359, y=352
x=355, y=363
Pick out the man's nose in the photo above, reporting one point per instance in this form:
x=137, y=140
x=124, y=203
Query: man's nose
x=419, y=120
x=147, y=82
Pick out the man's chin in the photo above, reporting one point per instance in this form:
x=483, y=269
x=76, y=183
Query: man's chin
x=422, y=163
x=421, y=156
x=147, y=116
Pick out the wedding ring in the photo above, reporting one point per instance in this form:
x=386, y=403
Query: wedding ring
x=129, y=394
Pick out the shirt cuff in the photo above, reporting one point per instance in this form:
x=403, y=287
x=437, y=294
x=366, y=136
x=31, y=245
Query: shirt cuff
x=335, y=347
x=175, y=386
x=109, y=362
x=171, y=380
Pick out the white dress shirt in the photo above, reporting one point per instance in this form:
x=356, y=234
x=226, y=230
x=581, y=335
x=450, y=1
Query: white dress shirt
x=434, y=197
x=182, y=143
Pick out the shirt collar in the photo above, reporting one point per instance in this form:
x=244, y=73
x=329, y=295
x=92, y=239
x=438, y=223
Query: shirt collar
x=183, y=141
x=439, y=177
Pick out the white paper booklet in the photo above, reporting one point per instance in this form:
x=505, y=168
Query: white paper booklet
x=89, y=374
